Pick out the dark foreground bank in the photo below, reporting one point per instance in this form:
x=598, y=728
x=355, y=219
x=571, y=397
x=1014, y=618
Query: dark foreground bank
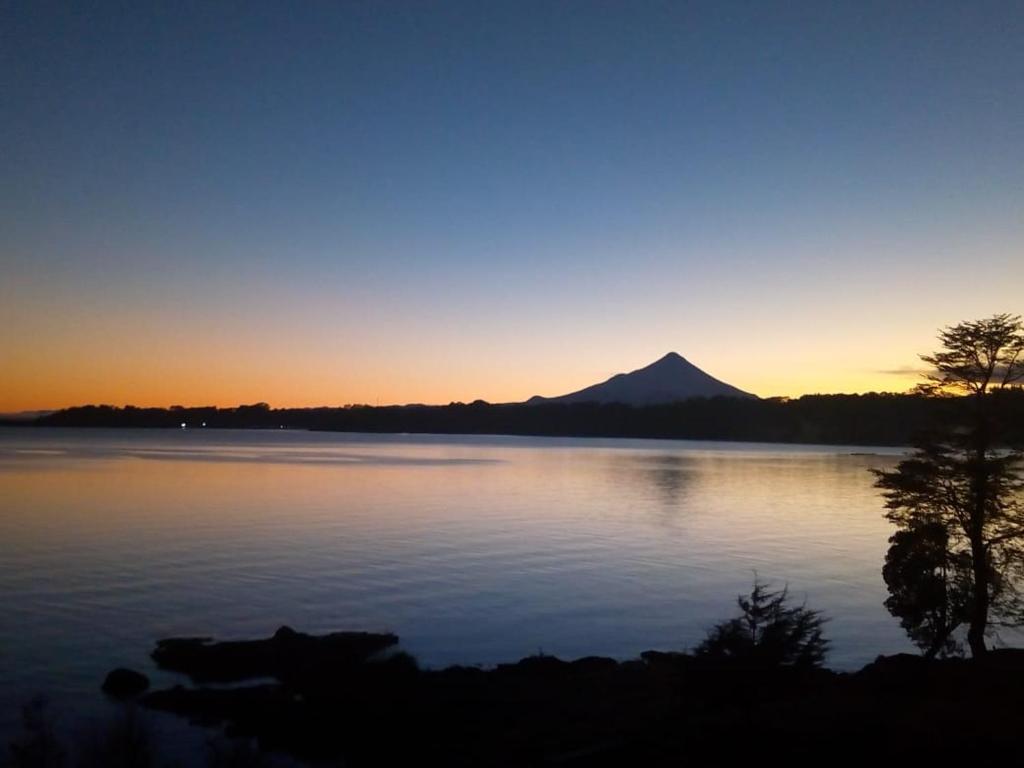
x=352, y=699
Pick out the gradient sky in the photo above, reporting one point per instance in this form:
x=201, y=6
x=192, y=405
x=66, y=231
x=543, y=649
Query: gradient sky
x=324, y=203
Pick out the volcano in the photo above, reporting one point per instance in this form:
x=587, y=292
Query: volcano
x=668, y=380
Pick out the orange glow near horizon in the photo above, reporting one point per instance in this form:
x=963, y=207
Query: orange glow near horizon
x=312, y=340
x=77, y=377
x=227, y=394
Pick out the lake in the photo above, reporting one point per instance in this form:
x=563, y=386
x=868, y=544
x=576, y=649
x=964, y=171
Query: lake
x=475, y=550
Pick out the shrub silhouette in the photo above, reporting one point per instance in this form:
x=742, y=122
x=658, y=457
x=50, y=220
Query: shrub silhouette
x=769, y=633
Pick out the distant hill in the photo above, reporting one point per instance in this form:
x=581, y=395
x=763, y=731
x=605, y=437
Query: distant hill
x=669, y=380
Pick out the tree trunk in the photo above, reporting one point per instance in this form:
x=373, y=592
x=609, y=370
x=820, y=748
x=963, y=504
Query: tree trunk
x=979, y=551
x=980, y=599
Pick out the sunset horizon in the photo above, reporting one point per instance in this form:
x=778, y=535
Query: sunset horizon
x=886, y=383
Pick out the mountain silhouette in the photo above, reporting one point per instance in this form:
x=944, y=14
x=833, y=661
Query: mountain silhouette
x=668, y=380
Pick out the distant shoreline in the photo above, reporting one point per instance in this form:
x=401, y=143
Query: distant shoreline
x=483, y=435
x=884, y=420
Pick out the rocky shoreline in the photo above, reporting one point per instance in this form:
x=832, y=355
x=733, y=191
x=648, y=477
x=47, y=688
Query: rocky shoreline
x=354, y=699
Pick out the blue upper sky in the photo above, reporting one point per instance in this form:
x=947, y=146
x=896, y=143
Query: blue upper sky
x=328, y=202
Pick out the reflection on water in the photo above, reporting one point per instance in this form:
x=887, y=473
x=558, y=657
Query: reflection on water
x=666, y=474
x=474, y=550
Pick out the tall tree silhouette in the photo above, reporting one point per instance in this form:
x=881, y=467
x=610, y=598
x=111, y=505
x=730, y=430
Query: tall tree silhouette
x=958, y=499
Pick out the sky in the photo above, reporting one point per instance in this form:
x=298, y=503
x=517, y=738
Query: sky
x=389, y=202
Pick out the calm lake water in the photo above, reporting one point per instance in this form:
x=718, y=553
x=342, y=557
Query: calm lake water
x=472, y=549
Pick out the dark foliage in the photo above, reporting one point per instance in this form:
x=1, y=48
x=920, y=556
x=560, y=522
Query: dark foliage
x=768, y=633
x=929, y=587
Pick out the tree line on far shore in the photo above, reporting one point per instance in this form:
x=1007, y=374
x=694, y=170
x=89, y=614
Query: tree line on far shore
x=869, y=419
